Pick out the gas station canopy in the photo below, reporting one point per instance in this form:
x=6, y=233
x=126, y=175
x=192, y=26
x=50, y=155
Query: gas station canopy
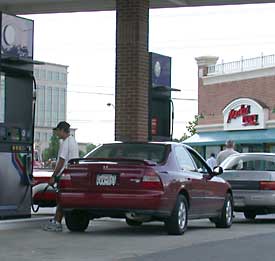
x=60, y=6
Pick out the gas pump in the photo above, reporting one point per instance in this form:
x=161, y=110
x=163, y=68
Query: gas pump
x=161, y=108
x=16, y=115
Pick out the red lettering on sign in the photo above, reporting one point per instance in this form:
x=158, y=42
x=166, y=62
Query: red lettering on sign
x=233, y=114
x=250, y=120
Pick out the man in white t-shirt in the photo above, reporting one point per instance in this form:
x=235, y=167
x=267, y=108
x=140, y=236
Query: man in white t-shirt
x=68, y=149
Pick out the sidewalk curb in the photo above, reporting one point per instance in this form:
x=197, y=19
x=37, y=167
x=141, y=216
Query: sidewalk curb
x=9, y=224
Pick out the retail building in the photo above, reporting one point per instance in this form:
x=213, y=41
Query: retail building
x=236, y=101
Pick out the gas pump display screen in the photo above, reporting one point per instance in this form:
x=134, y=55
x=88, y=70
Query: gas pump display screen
x=18, y=118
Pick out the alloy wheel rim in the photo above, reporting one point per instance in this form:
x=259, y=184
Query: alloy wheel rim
x=182, y=215
x=228, y=212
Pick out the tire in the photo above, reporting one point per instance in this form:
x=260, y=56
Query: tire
x=133, y=223
x=226, y=218
x=249, y=215
x=176, y=224
x=77, y=220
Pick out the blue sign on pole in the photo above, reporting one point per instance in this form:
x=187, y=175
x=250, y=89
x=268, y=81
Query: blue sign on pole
x=160, y=70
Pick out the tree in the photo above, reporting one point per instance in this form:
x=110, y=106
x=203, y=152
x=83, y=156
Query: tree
x=81, y=153
x=191, y=127
x=52, y=151
x=88, y=148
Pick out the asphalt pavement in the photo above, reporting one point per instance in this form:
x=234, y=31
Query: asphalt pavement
x=110, y=239
x=250, y=248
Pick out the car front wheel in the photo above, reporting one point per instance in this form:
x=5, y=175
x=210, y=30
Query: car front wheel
x=226, y=218
x=176, y=224
x=77, y=220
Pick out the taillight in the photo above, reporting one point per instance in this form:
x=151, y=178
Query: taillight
x=151, y=181
x=65, y=181
x=267, y=185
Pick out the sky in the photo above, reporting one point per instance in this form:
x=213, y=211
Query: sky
x=86, y=43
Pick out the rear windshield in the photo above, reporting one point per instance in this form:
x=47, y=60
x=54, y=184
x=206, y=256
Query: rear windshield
x=249, y=163
x=154, y=152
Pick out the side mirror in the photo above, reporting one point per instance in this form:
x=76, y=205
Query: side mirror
x=217, y=171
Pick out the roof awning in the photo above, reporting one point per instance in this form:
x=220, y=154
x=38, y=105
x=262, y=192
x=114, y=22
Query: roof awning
x=239, y=137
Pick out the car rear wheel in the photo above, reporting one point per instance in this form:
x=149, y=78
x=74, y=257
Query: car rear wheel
x=249, y=215
x=176, y=224
x=133, y=223
x=226, y=218
x=77, y=220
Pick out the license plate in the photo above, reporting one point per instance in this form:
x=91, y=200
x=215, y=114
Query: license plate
x=106, y=179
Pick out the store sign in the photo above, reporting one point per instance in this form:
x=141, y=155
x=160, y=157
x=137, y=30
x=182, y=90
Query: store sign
x=244, y=114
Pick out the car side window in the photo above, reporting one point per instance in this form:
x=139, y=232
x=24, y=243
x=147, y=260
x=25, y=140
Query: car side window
x=201, y=165
x=258, y=165
x=184, y=159
x=248, y=164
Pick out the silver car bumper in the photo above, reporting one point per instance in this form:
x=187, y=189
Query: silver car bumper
x=247, y=198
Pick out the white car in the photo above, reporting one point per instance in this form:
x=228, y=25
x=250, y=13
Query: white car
x=252, y=177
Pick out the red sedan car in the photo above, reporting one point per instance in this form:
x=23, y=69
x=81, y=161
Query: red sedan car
x=142, y=182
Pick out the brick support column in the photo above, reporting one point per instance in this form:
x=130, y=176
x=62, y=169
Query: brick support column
x=132, y=70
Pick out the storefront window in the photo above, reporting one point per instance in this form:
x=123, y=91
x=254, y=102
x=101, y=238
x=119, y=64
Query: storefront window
x=211, y=149
x=250, y=148
x=271, y=148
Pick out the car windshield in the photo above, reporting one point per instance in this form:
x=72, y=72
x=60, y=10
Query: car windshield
x=154, y=152
x=258, y=163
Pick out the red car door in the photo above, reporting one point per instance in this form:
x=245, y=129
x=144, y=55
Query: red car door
x=213, y=187
x=195, y=183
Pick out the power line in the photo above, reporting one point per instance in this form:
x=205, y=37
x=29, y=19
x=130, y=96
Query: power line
x=90, y=86
x=95, y=93
x=185, y=99
x=111, y=94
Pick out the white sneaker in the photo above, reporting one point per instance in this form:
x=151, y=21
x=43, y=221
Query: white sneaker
x=53, y=226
